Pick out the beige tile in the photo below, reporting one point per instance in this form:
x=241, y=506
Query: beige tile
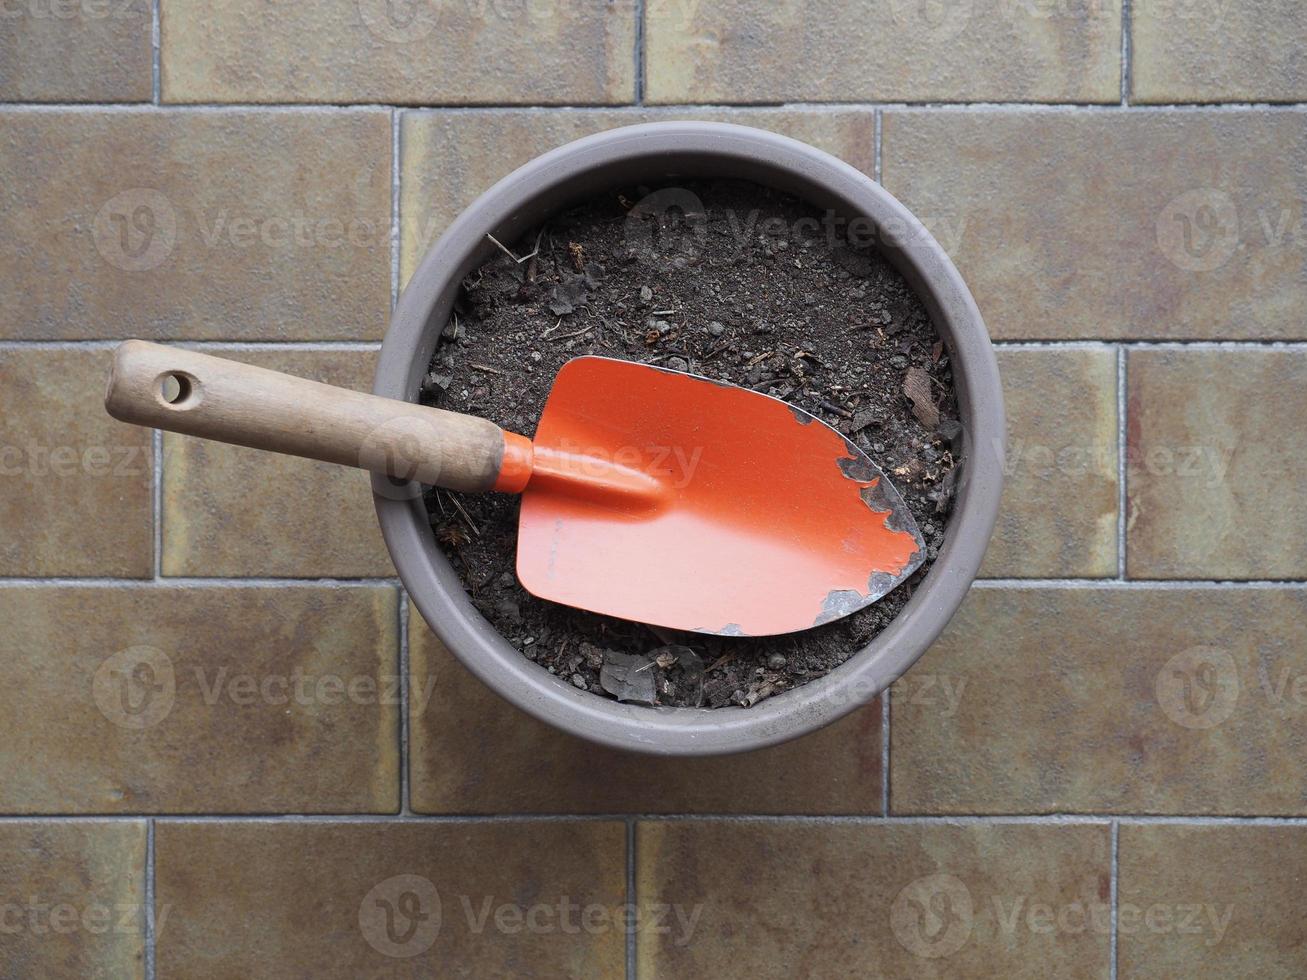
x=77, y=51
x=74, y=484
x=473, y=753
x=1215, y=447
x=220, y=225
x=221, y=700
x=392, y=899
x=1144, y=225
x=450, y=158
x=1216, y=51
x=1217, y=901
x=1059, y=513
x=1107, y=700
x=870, y=899
x=231, y=511
x=72, y=899
x=886, y=51
x=442, y=52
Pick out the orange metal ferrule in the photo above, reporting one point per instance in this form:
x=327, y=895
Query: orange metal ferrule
x=518, y=463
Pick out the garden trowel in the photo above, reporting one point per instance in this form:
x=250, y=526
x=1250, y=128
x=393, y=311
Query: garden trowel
x=647, y=494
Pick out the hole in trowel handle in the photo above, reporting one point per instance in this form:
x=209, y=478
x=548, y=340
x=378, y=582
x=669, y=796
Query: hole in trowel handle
x=178, y=390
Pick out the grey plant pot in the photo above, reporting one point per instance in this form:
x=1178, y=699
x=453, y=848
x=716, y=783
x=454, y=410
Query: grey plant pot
x=649, y=154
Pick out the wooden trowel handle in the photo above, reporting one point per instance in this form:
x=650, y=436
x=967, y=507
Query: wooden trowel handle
x=200, y=395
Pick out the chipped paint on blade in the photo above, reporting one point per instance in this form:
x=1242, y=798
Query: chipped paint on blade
x=881, y=497
x=730, y=629
x=756, y=513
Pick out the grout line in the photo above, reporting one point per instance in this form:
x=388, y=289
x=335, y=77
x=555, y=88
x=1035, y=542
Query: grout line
x=151, y=939
x=405, y=722
x=156, y=66
x=869, y=820
x=1126, y=53
x=109, y=343
x=182, y=581
x=1053, y=344
x=884, y=750
x=661, y=108
x=1114, y=896
x=232, y=108
x=631, y=898
x=156, y=494
x=640, y=11
x=878, y=175
x=190, y=582
x=262, y=345
x=394, y=208
x=1170, y=344
x=1122, y=497
x=1133, y=585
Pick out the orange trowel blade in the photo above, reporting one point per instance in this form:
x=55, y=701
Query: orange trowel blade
x=673, y=500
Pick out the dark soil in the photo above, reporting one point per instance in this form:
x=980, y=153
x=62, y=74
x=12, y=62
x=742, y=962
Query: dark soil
x=754, y=296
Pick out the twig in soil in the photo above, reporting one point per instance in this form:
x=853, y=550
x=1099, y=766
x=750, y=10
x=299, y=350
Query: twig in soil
x=549, y=334
x=466, y=516
x=665, y=637
x=534, y=265
x=566, y=336
x=843, y=413
x=487, y=368
x=716, y=349
x=509, y=252
x=721, y=661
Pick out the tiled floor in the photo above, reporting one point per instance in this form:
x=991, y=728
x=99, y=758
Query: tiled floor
x=228, y=746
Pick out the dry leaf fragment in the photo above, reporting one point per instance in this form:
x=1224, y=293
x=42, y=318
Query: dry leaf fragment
x=916, y=385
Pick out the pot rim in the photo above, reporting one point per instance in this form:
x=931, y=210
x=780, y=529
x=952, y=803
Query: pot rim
x=644, y=153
